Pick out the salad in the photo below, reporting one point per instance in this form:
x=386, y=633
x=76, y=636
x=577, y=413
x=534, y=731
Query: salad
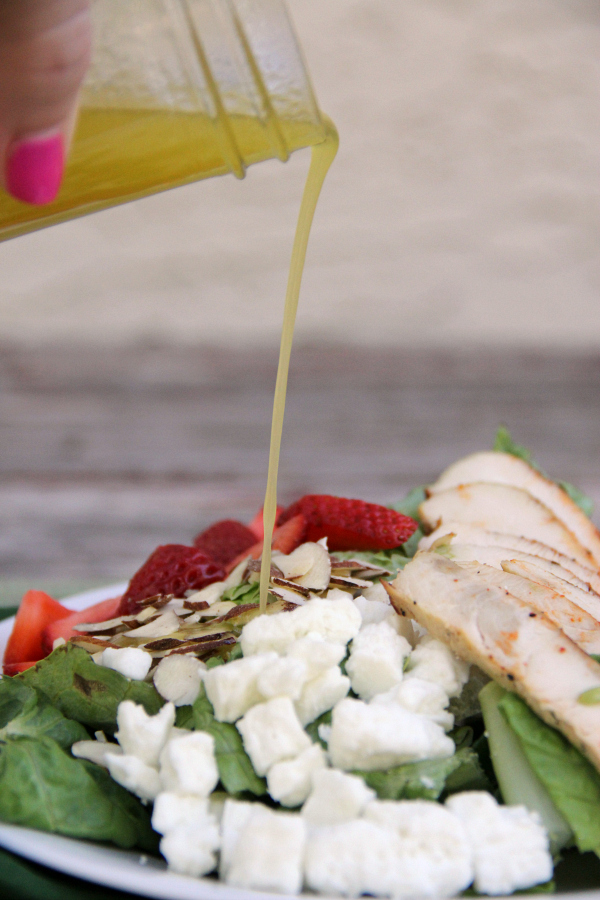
x=415, y=714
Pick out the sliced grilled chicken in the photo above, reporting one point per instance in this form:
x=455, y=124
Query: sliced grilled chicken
x=524, y=651
x=502, y=468
x=582, y=628
x=586, y=600
x=496, y=556
x=519, y=546
x=500, y=507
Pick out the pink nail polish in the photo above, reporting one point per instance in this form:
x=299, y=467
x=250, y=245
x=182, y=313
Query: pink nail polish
x=35, y=168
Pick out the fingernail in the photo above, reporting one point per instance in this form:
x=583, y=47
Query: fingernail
x=35, y=168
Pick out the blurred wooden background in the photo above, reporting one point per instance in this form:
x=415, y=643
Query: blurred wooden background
x=107, y=453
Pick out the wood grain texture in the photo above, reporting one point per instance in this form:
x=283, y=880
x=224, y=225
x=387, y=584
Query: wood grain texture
x=108, y=452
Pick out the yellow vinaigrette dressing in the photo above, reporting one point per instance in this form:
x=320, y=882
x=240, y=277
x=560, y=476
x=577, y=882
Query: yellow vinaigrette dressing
x=322, y=156
x=121, y=154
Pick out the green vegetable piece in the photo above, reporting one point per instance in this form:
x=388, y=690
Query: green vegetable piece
x=409, y=506
x=504, y=443
x=42, y=787
x=23, y=713
x=426, y=780
x=243, y=593
x=517, y=779
x=71, y=681
x=572, y=782
x=324, y=719
x=590, y=698
x=585, y=503
x=235, y=768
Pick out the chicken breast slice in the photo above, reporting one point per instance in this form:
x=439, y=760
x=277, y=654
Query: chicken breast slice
x=495, y=556
x=499, y=507
x=503, y=468
x=582, y=628
x=524, y=651
x=519, y=546
x=586, y=600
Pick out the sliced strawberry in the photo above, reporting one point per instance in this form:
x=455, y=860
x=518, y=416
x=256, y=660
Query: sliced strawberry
x=64, y=628
x=285, y=539
x=257, y=525
x=225, y=540
x=351, y=524
x=171, y=569
x=36, y=612
x=15, y=668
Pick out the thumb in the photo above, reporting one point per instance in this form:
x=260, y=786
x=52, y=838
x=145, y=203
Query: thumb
x=44, y=54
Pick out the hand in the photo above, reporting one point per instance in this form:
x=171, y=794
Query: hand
x=44, y=54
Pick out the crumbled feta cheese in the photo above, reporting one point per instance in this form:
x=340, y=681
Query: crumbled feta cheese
x=284, y=677
x=423, y=697
x=133, y=774
x=431, y=660
x=142, y=735
x=269, y=852
x=290, y=782
x=178, y=678
x=336, y=797
x=509, y=844
x=321, y=694
x=234, y=818
x=352, y=858
x=232, y=689
x=173, y=811
x=376, y=660
x=271, y=732
x=316, y=653
x=335, y=617
x=435, y=854
x=191, y=852
x=379, y=736
x=132, y=662
x=188, y=765
x=95, y=751
x=372, y=611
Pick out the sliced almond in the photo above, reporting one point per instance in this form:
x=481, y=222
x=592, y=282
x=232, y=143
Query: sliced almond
x=308, y=565
x=351, y=583
x=165, y=624
x=290, y=586
x=91, y=644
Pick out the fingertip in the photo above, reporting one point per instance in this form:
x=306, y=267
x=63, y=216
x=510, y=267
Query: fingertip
x=34, y=168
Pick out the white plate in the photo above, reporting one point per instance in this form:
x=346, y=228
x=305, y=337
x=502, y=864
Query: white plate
x=126, y=870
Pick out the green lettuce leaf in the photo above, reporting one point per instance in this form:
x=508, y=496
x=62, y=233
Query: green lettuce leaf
x=571, y=781
x=235, y=768
x=24, y=714
x=42, y=787
x=505, y=444
x=70, y=680
x=243, y=593
x=427, y=780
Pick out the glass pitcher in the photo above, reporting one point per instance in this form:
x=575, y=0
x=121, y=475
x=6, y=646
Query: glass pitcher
x=179, y=90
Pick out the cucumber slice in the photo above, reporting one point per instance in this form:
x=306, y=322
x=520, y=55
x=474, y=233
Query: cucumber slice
x=518, y=782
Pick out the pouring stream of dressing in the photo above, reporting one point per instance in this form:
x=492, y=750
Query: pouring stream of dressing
x=322, y=156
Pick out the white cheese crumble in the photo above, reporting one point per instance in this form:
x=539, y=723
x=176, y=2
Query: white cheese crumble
x=433, y=661
x=336, y=797
x=376, y=660
x=290, y=782
x=377, y=736
x=272, y=732
x=509, y=844
x=142, y=735
x=132, y=662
